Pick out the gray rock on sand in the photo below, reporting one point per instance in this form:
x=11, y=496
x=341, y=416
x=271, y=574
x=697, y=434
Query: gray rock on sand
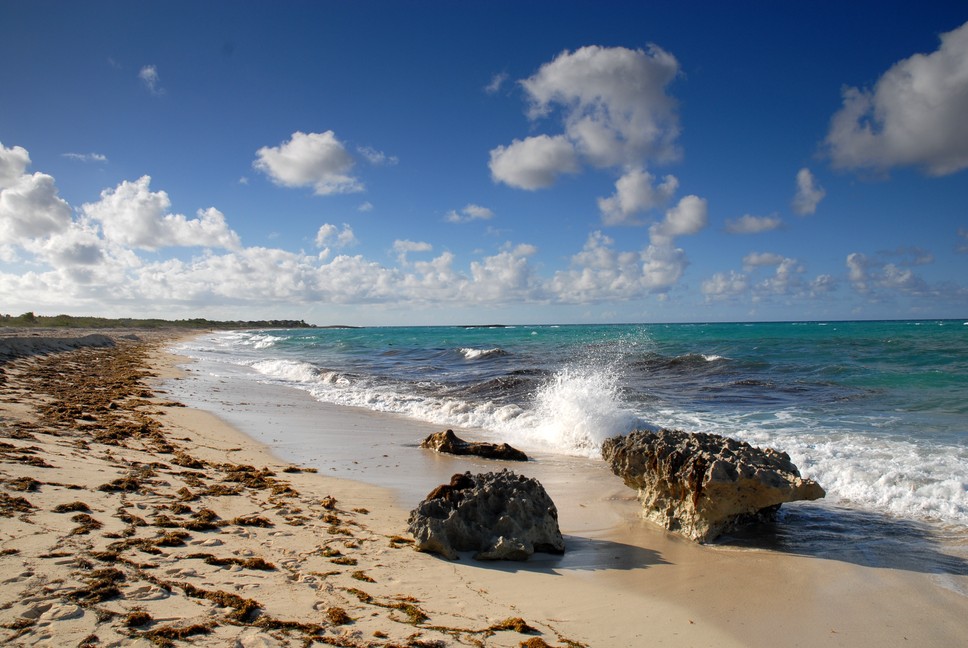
x=498, y=515
x=450, y=443
x=700, y=485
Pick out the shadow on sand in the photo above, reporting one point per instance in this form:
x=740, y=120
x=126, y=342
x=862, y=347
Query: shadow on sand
x=581, y=554
x=859, y=537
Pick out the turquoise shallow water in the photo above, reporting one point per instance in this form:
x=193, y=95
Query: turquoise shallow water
x=877, y=412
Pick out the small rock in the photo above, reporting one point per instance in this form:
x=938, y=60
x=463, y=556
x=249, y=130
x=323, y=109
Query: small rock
x=450, y=443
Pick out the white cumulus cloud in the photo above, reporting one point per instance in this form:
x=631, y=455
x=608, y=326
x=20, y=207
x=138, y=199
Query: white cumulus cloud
x=724, y=285
x=133, y=215
x=29, y=205
x=469, y=212
x=636, y=192
x=809, y=193
x=615, y=113
x=534, y=162
x=614, y=102
x=328, y=234
x=316, y=160
x=914, y=115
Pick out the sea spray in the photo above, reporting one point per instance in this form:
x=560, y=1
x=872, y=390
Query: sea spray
x=577, y=409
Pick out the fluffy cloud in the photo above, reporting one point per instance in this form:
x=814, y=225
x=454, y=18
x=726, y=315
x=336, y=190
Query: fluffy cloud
x=505, y=276
x=749, y=224
x=759, y=259
x=29, y=205
x=13, y=163
x=470, y=212
x=725, y=285
x=404, y=247
x=329, y=234
x=616, y=114
x=599, y=272
x=915, y=114
x=636, y=192
x=614, y=102
x=316, y=160
x=689, y=216
x=533, y=163
x=809, y=194
x=133, y=215
x=873, y=275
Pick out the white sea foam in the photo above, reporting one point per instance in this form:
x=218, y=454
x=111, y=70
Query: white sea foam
x=294, y=371
x=576, y=411
x=475, y=354
x=864, y=469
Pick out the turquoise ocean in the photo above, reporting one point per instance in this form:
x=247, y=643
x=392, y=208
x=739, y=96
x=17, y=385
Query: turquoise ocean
x=876, y=412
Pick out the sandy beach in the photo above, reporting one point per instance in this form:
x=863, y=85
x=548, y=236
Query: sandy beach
x=127, y=518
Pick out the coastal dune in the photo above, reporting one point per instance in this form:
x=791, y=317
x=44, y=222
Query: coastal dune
x=128, y=518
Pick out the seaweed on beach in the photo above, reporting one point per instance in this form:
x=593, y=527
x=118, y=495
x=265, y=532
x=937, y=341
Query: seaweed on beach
x=102, y=585
x=166, y=635
x=338, y=616
x=10, y=506
x=172, y=539
x=203, y=520
x=244, y=609
x=535, y=642
x=252, y=521
x=245, y=563
x=126, y=484
x=72, y=507
x=137, y=618
x=85, y=523
x=25, y=484
x=187, y=461
x=517, y=624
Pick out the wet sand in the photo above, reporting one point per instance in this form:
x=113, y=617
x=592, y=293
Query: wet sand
x=130, y=519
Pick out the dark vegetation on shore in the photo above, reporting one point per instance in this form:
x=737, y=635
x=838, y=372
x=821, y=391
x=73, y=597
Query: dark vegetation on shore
x=29, y=320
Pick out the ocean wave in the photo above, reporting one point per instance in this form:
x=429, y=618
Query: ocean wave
x=476, y=354
x=295, y=371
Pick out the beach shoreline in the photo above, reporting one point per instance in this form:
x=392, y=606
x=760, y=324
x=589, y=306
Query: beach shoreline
x=622, y=582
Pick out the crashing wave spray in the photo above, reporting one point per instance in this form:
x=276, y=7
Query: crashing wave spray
x=582, y=404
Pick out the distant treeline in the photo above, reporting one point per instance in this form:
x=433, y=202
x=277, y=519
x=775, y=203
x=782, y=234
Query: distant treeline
x=70, y=321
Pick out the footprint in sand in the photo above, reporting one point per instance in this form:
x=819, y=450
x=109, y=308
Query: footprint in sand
x=147, y=593
x=61, y=613
x=36, y=611
x=22, y=576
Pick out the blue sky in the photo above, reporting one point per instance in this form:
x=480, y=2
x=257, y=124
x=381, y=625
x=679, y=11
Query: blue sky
x=466, y=162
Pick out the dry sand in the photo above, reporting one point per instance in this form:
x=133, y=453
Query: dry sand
x=126, y=519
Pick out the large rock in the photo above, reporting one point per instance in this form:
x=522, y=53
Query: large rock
x=450, y=443
x=500, y=516
x=700, y=485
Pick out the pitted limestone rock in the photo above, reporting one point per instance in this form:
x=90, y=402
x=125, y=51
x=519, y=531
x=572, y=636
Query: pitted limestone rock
x=498, y=515
x=700, y=485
